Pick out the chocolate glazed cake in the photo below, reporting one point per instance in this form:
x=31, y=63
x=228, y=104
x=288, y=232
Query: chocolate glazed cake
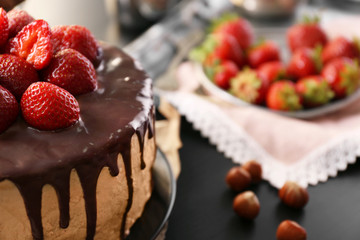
x=88, y=181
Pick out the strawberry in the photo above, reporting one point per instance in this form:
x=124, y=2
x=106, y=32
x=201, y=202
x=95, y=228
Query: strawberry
x=282, y=96
x=46, y=106
x=9, y=109
x=16, y=74
x=264, y=52
x=249, y=86
x=228, y=49
x=33, y=43
x=218, y=48
x=304, y=62
x=340, y=47
x=272, y=71
x=17, y=20
x=314, y=90
x=343, y=75
x=4, y=28
x=79, y=38
x=306, y=34
x=239, y=28
x=72, y=71
x=224, y=72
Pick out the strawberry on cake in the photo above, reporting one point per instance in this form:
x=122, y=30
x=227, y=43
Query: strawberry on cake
x=76, y=133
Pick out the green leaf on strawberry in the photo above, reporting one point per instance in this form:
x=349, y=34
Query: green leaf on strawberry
x=200, y=53
x=314, y=90
x=248, y=86
x=307, y=19
x=350, y=77
x=225, y=18
x=316, y=56
x=343, y=75
x=282, y=96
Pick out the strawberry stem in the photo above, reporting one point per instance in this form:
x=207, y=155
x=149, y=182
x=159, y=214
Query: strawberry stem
x=315, y=19
x=227, y=17
x=200, y=53
x=317, y=57
x=350, y=77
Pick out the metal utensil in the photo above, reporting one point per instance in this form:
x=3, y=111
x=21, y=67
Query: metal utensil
x=138, y=14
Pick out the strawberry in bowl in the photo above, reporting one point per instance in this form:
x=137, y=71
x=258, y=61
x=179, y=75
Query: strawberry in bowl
x=341, y=47
x=314, y=91
x=249, y=86
x=235, y=26
x=306, y=34
x=304, y=62
x=320, y=75
x=224, y=73
x=266, y=51
x=282, y=96
x=272, y=71
x=343, y=75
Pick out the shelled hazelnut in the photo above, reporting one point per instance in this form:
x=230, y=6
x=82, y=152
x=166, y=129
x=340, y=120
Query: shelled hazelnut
x=293, y=195
x=246, y=205
x=290, y=230
x=255, y=170
x=238, y=178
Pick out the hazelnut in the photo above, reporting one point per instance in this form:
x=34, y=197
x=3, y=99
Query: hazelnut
x=293, y=195
x=246, y=205
x=255, y=170
x=290, y=230
x=238, y=178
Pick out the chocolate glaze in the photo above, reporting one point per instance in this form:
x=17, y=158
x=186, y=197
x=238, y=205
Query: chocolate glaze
x=120, y=107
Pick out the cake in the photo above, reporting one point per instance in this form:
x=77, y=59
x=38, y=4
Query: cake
x=90, y=180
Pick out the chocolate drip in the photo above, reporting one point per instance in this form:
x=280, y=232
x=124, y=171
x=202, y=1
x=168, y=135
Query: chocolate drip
x=129, y=180
x=151, y=123
x=140, y=132
x=88, y=176
x=61, y=184
x=31, y=190
x=113, y=164
x=32, y=159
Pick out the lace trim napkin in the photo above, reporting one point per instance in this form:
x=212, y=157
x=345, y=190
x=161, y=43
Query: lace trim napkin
x=306, y=151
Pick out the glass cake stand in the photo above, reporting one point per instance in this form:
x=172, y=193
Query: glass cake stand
x=158, y=208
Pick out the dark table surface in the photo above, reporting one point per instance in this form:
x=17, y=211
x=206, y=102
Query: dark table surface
x=203, y=206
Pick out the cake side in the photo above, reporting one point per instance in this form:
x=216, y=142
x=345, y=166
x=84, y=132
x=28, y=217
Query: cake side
x=112, y=199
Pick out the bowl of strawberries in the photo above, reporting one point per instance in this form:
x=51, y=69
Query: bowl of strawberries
x=320, y=75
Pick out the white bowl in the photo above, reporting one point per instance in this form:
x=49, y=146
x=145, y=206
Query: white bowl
x=331, y=107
